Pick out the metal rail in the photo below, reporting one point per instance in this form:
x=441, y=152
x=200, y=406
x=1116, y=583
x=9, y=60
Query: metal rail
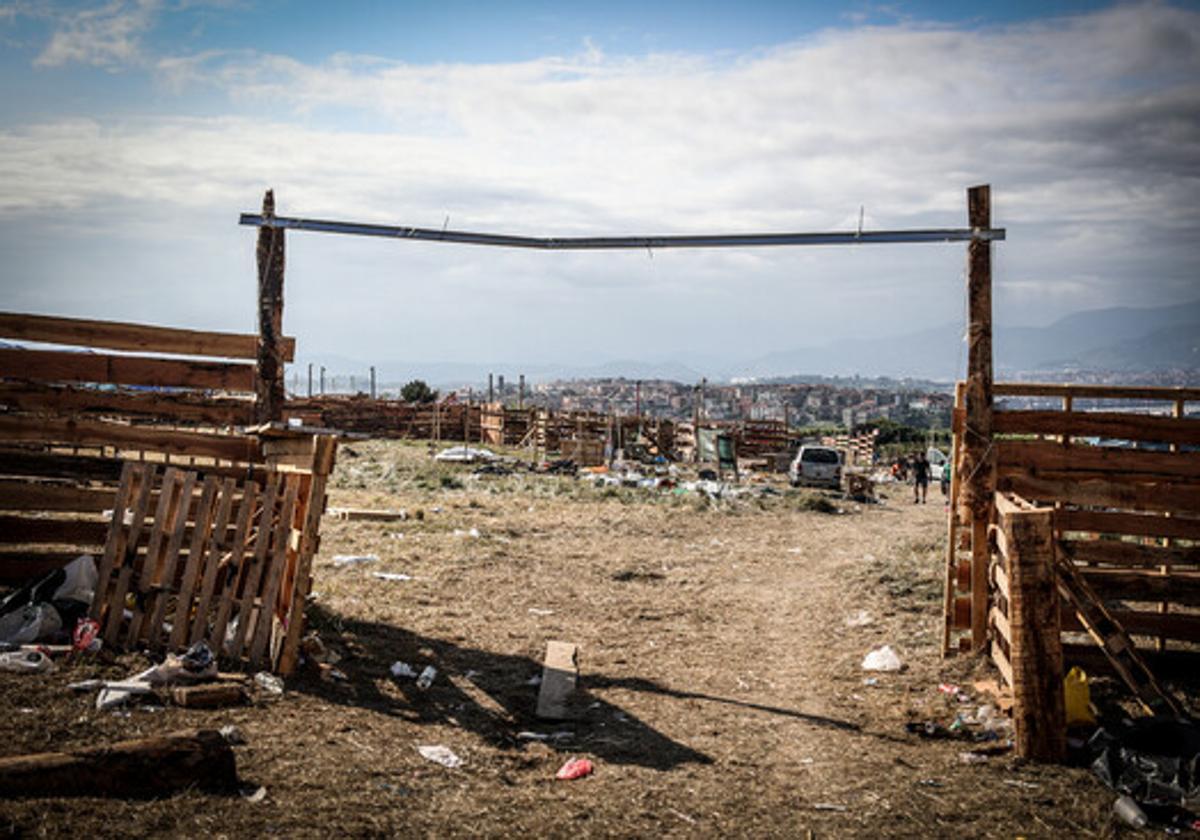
x=600, y=243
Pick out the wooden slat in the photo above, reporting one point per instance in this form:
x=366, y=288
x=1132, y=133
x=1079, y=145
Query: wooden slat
x=1121, y=392
x=117, y=335
x=254, y=568
x=61, y=366
x=100, y=433
x=1134, y=524
x=1162, y=497
x=165, y=576
x=1125, y=585
x=1002, y=663
x=133, y=477
x=235, y=569
x=216, y=547
x=57, y=465
x=200, y=538
x=33, y=495
x=41, y=530
x=1104, y=424
x=125, y=558
x=144, y=572
x=184, y=406
x=19, y=566
x=1181, y=626
x=279, y=554
x=999, y=622
x=1130, y=464
x=1115, y=553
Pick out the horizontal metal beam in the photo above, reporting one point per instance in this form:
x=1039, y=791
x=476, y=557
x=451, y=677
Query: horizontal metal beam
x=599, y=243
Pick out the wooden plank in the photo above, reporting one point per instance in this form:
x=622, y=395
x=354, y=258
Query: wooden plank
x=101, y=433
x=1103, y=424
x=56, y=465
x=1161, y=497
x=254, y=569
x=977, y=457
x=1049, y=456
x=1133, y=524
x=1035, y=650
x=999, y=622
x=19, y=566
x=235, y=562
x=1181, y=626
x=980, y=556
x=218, y=543
x=188, y=407
x=1002, y=663
x=133, y=477
x=126, y=559
x=560, y=676
x=40, y=530
x=142, y=569
x=279, y=554
x=323, y=459
x=200, y=539
x=1121, y=392
x=61, y=366
x=1148, y=585
x=1114, y=553
x=16, y=494
x=165, y=579
x=118, y=335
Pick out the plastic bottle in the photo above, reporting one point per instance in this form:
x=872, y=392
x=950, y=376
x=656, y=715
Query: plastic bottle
x=1130, y=812
x=426, y=678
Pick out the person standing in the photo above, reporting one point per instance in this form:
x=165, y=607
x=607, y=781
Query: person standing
x=921, y=476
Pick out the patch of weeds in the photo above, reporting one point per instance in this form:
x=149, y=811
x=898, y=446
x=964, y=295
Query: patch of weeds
x=630, y=575
x=450, y=482
x=816, y=503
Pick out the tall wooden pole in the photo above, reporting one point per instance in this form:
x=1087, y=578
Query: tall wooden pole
x=269, y=390
x=978, y=463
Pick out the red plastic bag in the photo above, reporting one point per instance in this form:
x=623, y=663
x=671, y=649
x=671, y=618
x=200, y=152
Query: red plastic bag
x=575, y=768
x=85, y=635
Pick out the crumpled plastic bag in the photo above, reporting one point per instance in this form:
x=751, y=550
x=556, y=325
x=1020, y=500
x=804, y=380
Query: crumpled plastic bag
x=29, y=624
x=1155, y=760
x=882, y=659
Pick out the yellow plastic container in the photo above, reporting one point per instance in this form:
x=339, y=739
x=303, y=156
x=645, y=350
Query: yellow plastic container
x=1078, y=698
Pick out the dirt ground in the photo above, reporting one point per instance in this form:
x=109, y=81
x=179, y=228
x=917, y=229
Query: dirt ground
x=720, y=649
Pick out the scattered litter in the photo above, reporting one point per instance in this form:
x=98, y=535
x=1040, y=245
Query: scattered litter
x=465, y=455
x=537, y=612
x=882, y=659
x=828, y=806
x=86, y=638
x=1129, y=812
x=544, y=736
x=427, y=677
x=934, y=783
x=575, y=768
x=232, y=735
x=341, y=560
x=26, y=662
x=439, y=754
x=683, y=816
x=536, y=679
x=871, y=681
x=268, y=682
x=253, y=794
x=30, y=623
x=1078, y=698
x=1017, y=783
x=403, y=669
x=472, y=533
x=859, y=618
x=395, y=576
x=971, y=758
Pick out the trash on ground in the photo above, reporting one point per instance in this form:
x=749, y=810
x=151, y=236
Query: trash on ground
x=575, y=768
x=393, y=576
x=1155, y=760
x=1078, y=698
x=439, y=754
x=268, y=682
x=428, y=675
x=341, y=560
x=253, y=794
x=1130, y=812
x=882, y=659
x=971, y=758
x=26, y=662
x=472, y=533
x=465, y=455
x=403, y=669
x=859, y=618
x=828, y=806
x=360, y=515
x=559, y=679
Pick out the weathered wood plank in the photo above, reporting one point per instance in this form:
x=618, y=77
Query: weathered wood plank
x=1134, y=524
x=41, y=530
x=1181, y=626
x=101, y=433
x=59, y=366
x=1126, y=585
x=1123, y=392
x=269, y=388
x=1162, y=497
x=118, y=335
x=1116, y=553
x=1013, y=455
x=200, y=537
x=186, y=407
x=42, y=496
x=1103, y=424
x=278, y=558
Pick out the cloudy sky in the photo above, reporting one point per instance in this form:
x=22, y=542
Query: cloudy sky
x=132, y=134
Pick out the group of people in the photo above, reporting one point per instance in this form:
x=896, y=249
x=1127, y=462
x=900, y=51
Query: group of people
x=922, y=472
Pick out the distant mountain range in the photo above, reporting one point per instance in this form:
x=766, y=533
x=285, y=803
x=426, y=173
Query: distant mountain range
x=1119, y=339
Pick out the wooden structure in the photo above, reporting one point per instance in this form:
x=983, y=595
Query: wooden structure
x=178, y=406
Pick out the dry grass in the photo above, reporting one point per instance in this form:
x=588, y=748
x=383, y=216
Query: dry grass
x=723, y=689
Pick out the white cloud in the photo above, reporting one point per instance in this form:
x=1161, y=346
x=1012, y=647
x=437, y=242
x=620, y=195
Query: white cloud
x=1087, y=127
x=106, y=36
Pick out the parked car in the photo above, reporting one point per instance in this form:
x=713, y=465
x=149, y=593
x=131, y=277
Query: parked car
x=816, y=465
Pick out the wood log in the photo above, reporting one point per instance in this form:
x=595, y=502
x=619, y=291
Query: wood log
x=269, y=387
x=180, y=407
x=61, y=366
x=142, y=768
x=117, y=335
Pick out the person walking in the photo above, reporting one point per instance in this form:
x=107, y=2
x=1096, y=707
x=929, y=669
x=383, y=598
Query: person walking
x=921, y=476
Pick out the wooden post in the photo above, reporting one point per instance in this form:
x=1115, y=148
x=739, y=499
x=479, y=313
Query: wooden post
x=521, y=392
x=269, y=380
x=372, y=381
x=310, y=380
x=322, y=380
x=978, y=471
x=1039, y=714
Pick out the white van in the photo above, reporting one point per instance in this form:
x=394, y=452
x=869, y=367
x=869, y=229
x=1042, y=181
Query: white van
x=816, y=465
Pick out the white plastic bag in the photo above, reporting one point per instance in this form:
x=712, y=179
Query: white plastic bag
x=81, y=580
x=882, y=659
x=33, y=622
